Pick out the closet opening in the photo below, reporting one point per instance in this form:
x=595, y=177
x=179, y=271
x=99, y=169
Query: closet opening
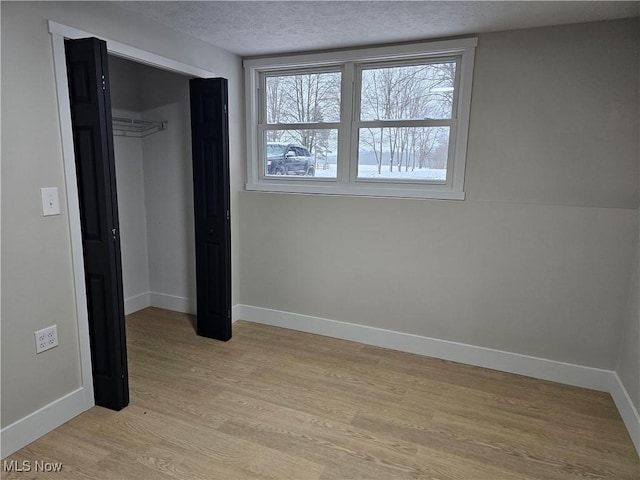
x=89, y=146
x=154, y=176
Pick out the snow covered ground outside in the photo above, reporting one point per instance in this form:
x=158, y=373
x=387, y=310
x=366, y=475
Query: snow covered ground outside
x=371, y=171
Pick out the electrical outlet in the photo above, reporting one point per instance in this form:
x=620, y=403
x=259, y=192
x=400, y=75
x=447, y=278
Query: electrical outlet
x=46, y=338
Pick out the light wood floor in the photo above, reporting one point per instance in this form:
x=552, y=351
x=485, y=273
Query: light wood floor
x=279, y=404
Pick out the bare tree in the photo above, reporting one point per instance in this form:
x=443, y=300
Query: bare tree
x=303, y=98
x=412, y=92
x=275, y=106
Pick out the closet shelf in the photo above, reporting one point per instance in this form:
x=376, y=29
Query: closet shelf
x=132, y=127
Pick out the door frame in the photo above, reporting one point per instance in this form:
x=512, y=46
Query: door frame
x=59, y=33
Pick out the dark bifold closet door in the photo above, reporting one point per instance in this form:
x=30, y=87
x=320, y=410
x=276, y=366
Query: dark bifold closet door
x=210, y=139
x=93, y=144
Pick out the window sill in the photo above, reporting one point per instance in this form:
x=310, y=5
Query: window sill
x=360, y=190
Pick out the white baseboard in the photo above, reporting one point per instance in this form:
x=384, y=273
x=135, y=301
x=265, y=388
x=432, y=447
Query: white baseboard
x=160, y=300
x=577, y=375
x=627, y=409
x=236, y=310
x=168, y=302
x=28, y=429
x=137, y=302
x=173, y=302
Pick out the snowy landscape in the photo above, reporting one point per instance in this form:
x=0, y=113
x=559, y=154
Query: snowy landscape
x=371, y=171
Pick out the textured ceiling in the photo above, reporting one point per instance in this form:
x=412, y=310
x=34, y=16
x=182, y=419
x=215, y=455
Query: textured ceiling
x=265, y=27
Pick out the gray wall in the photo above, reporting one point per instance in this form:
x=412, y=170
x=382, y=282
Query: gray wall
x=536, y=261
x=169, y=185
x=132, y=214
x=628, y=368
x=125, y=102
x=37, y=278
x=554, y=116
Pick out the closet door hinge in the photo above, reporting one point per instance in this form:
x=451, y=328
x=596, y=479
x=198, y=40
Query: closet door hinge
x=228, y=215
x=104, y=84
x=114, y=232
x=228, y=313
x=225, y=108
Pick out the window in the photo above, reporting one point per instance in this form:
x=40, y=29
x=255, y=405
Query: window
x=389, y=121
x=302, y=115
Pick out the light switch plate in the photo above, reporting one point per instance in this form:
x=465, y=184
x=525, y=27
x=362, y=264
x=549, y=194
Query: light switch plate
x=50, y=202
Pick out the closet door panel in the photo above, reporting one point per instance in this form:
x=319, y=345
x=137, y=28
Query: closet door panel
x=210, y=150
x=88, y=76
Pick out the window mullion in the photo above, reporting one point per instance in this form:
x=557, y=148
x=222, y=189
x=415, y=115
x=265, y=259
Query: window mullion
x=404, y=123
x=345, y=142
x=302, y=126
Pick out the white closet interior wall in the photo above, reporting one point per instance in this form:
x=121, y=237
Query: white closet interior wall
x=155, y=191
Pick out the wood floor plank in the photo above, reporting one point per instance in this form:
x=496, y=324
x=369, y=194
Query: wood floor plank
x=560, y=453
x=194, y=450
x=274, y=403
x=368, y=454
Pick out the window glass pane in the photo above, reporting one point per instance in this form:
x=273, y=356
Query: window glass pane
x=403, y=153
x=303, y=98
x=408, y=92
x=318, y=148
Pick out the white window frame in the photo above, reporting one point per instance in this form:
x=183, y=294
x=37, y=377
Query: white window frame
x=349, y=62
x=263, y=125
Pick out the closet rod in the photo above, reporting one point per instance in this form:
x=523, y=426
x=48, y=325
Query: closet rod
x=132, y=127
